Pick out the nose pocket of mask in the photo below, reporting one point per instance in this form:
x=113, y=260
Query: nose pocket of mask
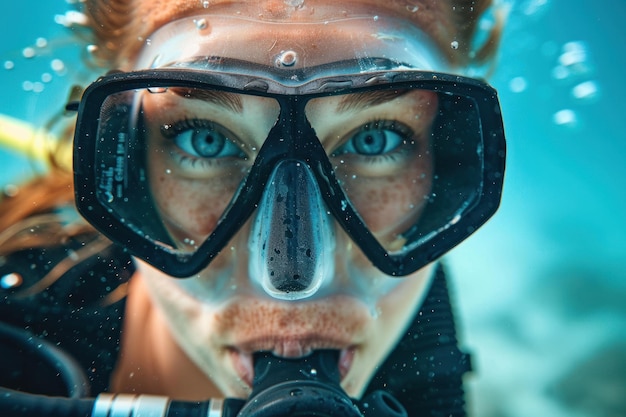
x=292, y=240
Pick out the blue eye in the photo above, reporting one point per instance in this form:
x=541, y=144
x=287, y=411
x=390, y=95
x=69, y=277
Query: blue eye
x=204, y=139
x=374, y=139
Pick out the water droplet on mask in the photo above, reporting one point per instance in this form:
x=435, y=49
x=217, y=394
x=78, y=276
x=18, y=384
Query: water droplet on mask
x=294, y=3
x=158, y=90
x=9, y=65
x=454, y=44
x=287, y=59
x=201, y=24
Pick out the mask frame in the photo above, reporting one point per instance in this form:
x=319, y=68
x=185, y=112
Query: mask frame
x=292, y=100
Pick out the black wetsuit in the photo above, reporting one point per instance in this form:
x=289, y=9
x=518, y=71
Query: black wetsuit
x=424, y=372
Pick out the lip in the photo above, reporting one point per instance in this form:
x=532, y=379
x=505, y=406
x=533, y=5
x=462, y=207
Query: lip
x=241, y=355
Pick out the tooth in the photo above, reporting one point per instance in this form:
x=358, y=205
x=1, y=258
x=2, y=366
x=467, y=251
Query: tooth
x=290, y=349
x=246, y=370
x=345, y=361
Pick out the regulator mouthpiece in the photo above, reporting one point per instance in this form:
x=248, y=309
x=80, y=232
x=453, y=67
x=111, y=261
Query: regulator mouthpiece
x=309, y=387
x=292, y=240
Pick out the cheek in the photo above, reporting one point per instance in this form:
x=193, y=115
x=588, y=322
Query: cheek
x=190, y=206
x=391, y=204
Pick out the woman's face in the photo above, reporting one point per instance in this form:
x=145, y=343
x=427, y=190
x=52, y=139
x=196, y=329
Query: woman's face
x=199, y=148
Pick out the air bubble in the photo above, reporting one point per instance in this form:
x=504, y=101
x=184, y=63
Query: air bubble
x=454, y=44
x=92, y=49
x=27, y=86
x=412, y=8
x=46, y=77
x=533, y=7
x=57, y=65
x=566, y=118
x=575, y=58
x=11, y=190
x=11, y=280
x=41, y=42
x=585, y=91
x=71, y=18
x=38, y=87
x=205, y=4
x=28, y=52
x=9, y=65
x=560, y=72
x=518, y=84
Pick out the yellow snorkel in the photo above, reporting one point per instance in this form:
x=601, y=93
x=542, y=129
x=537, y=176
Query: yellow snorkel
x=35, y=143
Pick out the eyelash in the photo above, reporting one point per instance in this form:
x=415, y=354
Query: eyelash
x=171, y=132
x=399, y=128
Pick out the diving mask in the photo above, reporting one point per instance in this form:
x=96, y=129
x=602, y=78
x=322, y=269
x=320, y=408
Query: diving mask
x=407, y=161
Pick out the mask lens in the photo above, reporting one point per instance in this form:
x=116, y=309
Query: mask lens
x=409, y=169
x=409, y=160
x=170, y=160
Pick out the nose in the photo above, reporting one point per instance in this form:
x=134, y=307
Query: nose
x=292, y=240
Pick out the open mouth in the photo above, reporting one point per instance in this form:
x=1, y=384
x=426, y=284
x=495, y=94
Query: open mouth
x=244, y=366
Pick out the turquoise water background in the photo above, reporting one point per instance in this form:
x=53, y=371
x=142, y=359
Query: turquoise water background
x=541, y=289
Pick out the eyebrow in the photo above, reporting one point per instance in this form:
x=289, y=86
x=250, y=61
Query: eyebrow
x=359, y=101
x=225, y=99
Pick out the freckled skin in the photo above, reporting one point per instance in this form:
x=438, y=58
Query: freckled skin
x=205, y=318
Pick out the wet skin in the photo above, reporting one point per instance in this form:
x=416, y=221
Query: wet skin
x=219, y=317
x=193, y=338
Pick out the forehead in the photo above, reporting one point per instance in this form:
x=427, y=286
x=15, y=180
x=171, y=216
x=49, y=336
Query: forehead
x=212, y=39
x=434, y=17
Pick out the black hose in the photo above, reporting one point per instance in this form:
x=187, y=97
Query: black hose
x=19, y=346
x=19, y=404
x=281, y=388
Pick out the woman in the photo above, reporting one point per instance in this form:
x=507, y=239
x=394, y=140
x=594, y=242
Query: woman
x=258, y=162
